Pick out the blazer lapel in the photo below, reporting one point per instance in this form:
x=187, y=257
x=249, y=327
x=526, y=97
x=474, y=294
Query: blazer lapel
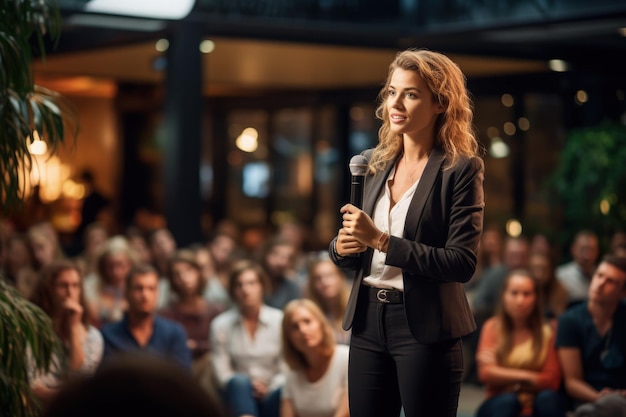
x=424, y=187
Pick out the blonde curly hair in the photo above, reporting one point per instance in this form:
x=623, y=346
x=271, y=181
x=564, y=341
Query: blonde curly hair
x=453, y=129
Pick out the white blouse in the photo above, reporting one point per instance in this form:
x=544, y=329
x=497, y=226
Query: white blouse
x=234, y=351
x=320, y=398
x=391, y=222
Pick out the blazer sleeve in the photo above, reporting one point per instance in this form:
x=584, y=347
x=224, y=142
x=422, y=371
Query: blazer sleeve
x=454, y=259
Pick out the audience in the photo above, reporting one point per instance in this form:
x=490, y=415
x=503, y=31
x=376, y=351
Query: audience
x=553, y=293
x=576, y=275
x=223, y=247
x=246, y=346
x=316, y=384
x=162, y=246
x=516, y=358
x=105, y=289
x=485, y=294
x=59, y=293
x=192, y=311
x=94, y=240
x=328, y=289
x=18, y=264
x=214, y=292
x=591, y=344
x=141, y=329
x=277, y=261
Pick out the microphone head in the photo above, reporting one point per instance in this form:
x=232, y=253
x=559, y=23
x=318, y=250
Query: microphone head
x=358, y=165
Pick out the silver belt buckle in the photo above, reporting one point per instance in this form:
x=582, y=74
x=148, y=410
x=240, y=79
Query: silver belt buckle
x=381, y=295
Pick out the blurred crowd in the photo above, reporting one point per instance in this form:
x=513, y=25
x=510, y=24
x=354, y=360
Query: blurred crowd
x=255, y=324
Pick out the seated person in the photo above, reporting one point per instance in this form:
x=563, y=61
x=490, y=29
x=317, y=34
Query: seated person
x=328, y=289
x=191, y=310
x=141, y=329
x=591, y=344
x=516, y=357
x=317, y=383
x=245, y=344
x=59, y=293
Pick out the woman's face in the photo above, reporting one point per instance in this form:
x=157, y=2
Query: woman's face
x=410, y=104
x=305, y=330
x=540, y=266
x=117, y=267
x=68, y=285
x=186, y=278
x=94, y=240
x=248, y=289
x=43, y=249
x=519, y=297
x=327, y=280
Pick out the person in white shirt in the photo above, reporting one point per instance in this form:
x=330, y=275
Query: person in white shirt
x=317, y=382
x=246, y=346
x=576, y=275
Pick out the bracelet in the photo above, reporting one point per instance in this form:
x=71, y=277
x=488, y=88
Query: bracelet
x=378, y=246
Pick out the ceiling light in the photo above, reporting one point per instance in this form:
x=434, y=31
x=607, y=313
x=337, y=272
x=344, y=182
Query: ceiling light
x=116, y=22
x=154, y=9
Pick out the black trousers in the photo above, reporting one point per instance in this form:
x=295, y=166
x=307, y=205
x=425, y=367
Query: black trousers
x=389, y=369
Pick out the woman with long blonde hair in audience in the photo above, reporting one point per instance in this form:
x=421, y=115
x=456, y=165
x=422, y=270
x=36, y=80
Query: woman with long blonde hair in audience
x=516, y=356
x=328, y=289
x=59, y=292
x=317, y=381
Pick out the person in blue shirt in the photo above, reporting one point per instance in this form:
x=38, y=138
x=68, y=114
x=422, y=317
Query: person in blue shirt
x=591, y=343
x=141, y=329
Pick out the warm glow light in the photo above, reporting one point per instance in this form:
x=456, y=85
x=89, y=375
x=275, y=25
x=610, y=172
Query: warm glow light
x=523, y=123
x=161, y=45
x=492, y=132
x=557, y=65
x=509, y=128
x=247, y=141
x=207, y=46
x=605, y=206
x=581, y=97
x=498, y=149
x=622, y=31
x=513, y=228
x=507, y=100
x=73, y=189
x=37, y=146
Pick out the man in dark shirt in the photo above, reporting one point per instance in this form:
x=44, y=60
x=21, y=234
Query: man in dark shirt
x=141, y=329
x=591, y=343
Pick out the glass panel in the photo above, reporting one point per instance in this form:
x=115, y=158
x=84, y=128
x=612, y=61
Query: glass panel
x=248, y=166
x=292, y=165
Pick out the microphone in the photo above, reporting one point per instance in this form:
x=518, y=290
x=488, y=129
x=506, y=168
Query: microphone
x=358, y=169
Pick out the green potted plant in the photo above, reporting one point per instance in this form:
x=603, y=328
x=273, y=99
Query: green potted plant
x=589, y=182
x=25, y=27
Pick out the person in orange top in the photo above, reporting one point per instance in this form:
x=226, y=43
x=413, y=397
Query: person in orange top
x=516, y=357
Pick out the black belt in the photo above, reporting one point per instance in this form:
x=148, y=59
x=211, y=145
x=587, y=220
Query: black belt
x=385, y=296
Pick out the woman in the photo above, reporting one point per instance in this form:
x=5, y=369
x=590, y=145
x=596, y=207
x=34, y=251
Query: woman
x=192, y=311
x=417, y=236
x=327, y=288
x=553, y=293
x=316, y=384
x=516, y=357
x=105, y=289
x=59, y=293
x=245, y=344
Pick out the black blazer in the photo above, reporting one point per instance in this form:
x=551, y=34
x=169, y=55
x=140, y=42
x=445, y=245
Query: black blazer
x=439, y=250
